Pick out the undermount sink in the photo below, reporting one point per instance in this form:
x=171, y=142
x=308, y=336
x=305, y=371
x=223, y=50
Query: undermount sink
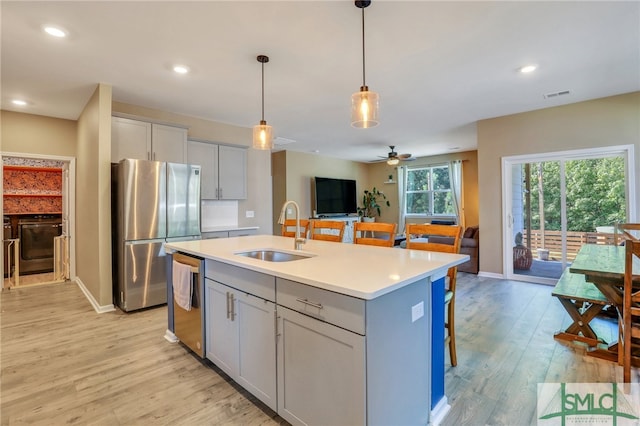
x=272, y=255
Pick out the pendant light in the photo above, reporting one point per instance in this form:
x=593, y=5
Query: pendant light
x=262, y=133
x=364, y=104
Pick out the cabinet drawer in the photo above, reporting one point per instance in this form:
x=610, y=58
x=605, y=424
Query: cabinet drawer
x=344, y=311
x=214, y=235
x=242, y=232
x=256, y=283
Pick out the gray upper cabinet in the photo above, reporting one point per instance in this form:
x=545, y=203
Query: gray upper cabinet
x=224, y=170
x=147, y=141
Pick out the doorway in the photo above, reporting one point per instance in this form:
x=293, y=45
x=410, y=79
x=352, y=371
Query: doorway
x=555, y=203
x=38, y=193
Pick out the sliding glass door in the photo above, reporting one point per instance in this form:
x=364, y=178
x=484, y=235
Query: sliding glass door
x=557, y=203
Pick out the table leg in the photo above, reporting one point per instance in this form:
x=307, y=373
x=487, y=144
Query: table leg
x=580, y=330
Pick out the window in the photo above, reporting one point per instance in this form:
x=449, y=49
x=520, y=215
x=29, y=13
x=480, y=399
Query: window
x=428, y=191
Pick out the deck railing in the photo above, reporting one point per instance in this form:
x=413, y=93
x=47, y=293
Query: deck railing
x=575, y=240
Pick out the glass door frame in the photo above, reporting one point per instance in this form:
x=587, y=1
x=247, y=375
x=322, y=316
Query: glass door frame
x=625, y=151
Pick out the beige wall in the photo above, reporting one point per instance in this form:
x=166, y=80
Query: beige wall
x=292, y=175
x=93, y=197
x=379, y=173
x=292, y=172
x=598, y=123
x=279, y=185
x=259, y=197
x=36, y=134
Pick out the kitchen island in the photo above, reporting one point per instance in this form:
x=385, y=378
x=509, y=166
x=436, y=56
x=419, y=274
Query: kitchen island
x=344, y=334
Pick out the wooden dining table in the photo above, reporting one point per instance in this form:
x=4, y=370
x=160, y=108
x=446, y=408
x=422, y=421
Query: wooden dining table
x=603, y=265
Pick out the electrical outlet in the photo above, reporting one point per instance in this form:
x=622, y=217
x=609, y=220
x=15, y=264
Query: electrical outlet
x=289, y=210
x=417, y=311
x=250, y=213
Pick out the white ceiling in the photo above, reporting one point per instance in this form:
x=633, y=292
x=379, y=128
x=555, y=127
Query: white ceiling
x=438, y=66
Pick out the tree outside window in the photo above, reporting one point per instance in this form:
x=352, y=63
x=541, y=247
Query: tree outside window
x=428, y=192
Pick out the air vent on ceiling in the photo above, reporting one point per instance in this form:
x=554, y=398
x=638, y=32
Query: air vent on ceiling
x=282, y=141
x=556, y=94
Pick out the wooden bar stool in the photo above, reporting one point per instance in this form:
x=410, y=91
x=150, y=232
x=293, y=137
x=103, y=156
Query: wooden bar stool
x=377, y=230
x=449, y=244
x=289, y=228
x=328, y=230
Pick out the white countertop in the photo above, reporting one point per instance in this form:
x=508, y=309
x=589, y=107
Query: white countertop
x=226, y=228
x=365, y=272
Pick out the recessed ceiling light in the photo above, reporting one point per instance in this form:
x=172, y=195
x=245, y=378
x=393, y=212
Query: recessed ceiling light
x=19, y=102
x=55, y=31
x=181, y=69
x=528, y=68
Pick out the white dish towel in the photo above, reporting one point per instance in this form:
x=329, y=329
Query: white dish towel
x=182, y=288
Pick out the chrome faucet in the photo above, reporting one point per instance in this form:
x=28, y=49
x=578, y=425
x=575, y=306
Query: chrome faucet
x=298, y=240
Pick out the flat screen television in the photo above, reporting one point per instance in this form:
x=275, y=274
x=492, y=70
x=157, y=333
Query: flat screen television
x=334, y=197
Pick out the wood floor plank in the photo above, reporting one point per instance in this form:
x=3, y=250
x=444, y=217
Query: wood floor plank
x=61, y=363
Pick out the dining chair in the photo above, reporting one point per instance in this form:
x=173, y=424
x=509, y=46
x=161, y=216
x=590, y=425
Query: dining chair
x=624, y=231
x=289, y=228
x=629, y=318
x=443, y=238
x=380, y=234
x=328, y=230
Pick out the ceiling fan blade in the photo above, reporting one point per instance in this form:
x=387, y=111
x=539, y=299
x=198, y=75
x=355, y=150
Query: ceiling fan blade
x=404, y=156
x=408, y=159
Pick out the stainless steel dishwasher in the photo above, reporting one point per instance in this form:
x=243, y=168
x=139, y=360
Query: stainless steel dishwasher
x=189, y=325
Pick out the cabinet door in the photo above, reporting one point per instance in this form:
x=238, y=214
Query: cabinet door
x=257, y=352
x=205, y=155
x=321, y=372
x=130, y=139
x=222, y=331
x=243, y=232
x=232, y=173
x=168, y=143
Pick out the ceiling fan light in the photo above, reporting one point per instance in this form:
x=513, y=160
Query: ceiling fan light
x=393, y=161
x=263, y=136
x=364, y=108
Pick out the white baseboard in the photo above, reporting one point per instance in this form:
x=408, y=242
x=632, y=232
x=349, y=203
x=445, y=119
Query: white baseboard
x=490, y=275
x=439, y=411
x=170, y=337
x=96, y=306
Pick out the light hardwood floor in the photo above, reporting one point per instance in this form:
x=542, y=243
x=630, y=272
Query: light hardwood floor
x=61, y=363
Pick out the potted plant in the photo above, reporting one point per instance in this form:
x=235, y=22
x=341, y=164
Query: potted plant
x=370, y=205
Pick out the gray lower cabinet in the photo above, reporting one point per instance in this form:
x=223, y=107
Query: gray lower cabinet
x=321, y=372
x=321, y=356
x=228, y=234
x=240, y=330
x=318, y=357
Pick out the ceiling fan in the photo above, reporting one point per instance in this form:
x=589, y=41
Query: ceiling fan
x=394, y=158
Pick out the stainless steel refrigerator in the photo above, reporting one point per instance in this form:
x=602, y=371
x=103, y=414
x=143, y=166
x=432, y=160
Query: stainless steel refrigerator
x=156, y=202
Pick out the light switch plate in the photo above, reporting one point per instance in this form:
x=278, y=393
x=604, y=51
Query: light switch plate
x=417, y=311
x=250, y=213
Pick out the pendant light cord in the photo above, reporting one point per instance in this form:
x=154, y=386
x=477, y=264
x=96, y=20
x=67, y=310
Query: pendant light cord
x=364, y=84
x=262, y=91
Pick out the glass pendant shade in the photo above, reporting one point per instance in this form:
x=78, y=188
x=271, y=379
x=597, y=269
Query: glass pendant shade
x=364, y=108
x=262, y=136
